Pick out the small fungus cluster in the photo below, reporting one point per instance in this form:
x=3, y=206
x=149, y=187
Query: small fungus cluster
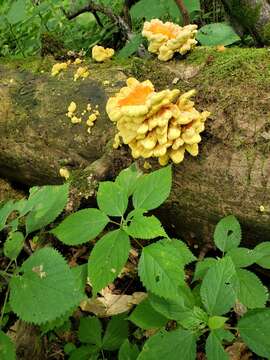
x=82, y=71
x=166, y=39
x=156, y=124
x=100, y=54
x=92, y=115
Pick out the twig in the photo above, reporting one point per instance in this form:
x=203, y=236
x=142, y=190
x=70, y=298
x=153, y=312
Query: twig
x=184, y=12
x=94, y=8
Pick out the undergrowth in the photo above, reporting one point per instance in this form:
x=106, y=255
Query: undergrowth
x=160, y=298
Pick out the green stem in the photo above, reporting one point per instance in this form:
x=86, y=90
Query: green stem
x=3, y=308
x=16, y=40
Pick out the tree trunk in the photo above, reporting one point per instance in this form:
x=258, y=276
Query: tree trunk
x=253, y=16
x=230, y=175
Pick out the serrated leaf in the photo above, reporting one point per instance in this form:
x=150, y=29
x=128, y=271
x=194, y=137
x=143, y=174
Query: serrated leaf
x=173, y=345
x=227, y=233
x=128, y=178
x=128, y=351
x=7, y=348
x=214, y=348
x=112, y=199
x=90, y=330
x=108, y=258
x=161, y=269
x=144, y=227
x=193, y=319
x=182, y=248
x=254, y=329
x=116, y=333
x=47, y=202
x=153, y=189
x=81, y=227
x=217, y=293
x=56, y=323
x=46, y=288
x=13, y=245
x=173, y=309
x=216, y=322
x=263, y=251
x=249, y=289
x=85, y=352
x=202, y=267
x=243, y=257
x=5, y=211
x=146, y=317
x=80, y=275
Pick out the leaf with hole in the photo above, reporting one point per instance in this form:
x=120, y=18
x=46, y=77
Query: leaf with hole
x=44, y=289
x=227, y=233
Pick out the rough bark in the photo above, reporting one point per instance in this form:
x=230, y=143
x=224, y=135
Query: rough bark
x=231, y=174
x=253, y=16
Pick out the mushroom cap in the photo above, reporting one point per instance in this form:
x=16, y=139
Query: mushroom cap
x=99, y=53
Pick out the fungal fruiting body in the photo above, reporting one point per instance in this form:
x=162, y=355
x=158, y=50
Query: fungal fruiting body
x=166, y=39
x=99, y=53
x=82, y=72
x=58, y=67
x=161, y=124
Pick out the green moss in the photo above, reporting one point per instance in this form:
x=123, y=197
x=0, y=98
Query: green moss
x=266, y=33
x=247, y=15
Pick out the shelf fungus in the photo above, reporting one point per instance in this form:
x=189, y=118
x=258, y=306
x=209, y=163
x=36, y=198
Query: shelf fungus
x=162, y=125
x=58, y=67
x=100, y=54
x=166, y=39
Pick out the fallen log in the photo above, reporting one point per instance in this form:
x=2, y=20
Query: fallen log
x=230, y=175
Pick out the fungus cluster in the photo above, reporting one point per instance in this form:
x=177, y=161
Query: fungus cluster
x=92, y=115
x=166, y=39
x=161, y=124
x=99, y=53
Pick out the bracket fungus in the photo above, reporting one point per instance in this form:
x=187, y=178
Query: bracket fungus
x=166, y=39
x=99, y=53
x=160, y=124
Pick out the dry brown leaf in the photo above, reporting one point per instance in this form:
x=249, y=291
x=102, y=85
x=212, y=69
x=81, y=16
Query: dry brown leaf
x=238, y=351
x=111, y=304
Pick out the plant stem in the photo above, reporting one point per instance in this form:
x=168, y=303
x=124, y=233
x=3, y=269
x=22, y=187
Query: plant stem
x=16, y=40
x=3, y=308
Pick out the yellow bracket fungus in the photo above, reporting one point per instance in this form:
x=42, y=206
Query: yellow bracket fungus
x=82, y=72
x=166, y=39
x=57, y=68
x=99, y=53
x=161, y=124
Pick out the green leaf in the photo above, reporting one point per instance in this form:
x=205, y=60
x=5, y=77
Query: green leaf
x=173, y=345
x=249, y=289
x=128, y=351
x=13, y=245
x=116, y=333
x=263, y=251
x=131, y=47
x=107, y=259
x=17, y=12
x=202, y=267
x=161, y=269
x=146, y=317
x=243, y=257
x=7, y=348
x=86, y=352
x=217, y=293
x=48, y=202
x=193, y=319
x=217, y=34
x=80, y=274
x=153, y=189
x=227, y=233
x=128, y=178
x=46, y=288
x=112, y=199
x=214, y=348
x=80, y=227
x=216, y=322
x=145, y=227
x=5, y=211
x=90, y=330
x=173, y=309
x=254, y=329
x=69, y=347
x=182, y=248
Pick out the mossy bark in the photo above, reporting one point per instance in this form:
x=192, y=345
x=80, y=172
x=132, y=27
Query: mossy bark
x=253, y=16
x=230, y=175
